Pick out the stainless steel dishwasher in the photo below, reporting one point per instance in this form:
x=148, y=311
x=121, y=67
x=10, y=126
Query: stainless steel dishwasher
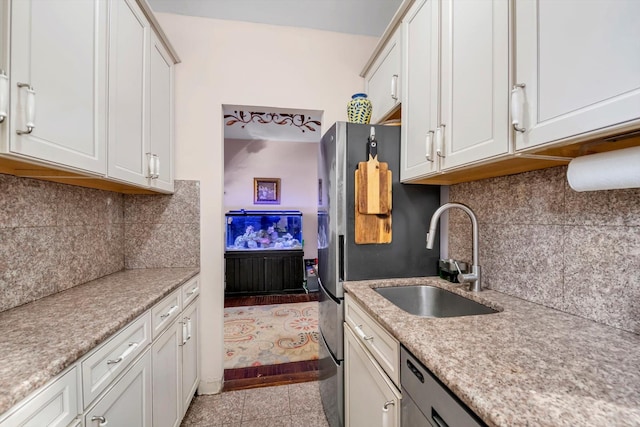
x=428, y=403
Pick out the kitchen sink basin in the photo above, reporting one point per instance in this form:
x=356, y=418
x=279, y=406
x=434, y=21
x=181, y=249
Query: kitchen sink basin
x=430, y=301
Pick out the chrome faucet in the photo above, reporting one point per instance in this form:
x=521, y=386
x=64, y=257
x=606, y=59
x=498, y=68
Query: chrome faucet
x=473, y=278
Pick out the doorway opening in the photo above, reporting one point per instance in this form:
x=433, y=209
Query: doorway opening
x=270, y=200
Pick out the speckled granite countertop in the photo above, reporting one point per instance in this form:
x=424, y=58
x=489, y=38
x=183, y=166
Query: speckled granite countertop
x=527, y=365
x=40, y=339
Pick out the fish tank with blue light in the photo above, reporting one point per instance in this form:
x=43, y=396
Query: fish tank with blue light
x=249, y=230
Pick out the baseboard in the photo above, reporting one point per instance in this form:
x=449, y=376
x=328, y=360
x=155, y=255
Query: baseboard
x=210, y=387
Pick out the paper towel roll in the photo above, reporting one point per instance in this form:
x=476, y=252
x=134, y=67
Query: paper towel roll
x=605, y=171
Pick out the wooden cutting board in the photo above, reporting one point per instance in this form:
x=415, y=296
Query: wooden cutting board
x=372, y=228
x=374, y=187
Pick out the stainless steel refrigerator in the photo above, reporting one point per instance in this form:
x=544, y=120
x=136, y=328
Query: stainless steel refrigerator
x=340, y=259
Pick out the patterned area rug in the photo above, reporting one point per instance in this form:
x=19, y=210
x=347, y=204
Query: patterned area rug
x=270, y=334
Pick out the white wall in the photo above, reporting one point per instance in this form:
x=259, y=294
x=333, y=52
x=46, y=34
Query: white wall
x=295, y=163
x=237, y=63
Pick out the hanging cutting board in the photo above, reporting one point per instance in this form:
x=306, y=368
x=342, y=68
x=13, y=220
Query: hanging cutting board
x=371, y=228
x=374, y=183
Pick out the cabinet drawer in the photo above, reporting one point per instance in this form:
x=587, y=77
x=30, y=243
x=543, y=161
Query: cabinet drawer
x=163, y=313
x=190, y=290
x=384, y=347
x=56, y=405
x=113, y=357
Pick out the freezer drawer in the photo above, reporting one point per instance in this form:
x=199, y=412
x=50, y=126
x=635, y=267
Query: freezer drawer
x=331, y=318
x=331, y=386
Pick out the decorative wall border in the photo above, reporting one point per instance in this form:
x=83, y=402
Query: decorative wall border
x=300, y=121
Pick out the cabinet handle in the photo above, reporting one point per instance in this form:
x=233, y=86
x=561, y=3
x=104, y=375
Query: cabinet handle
x=439, y=136
x=124, y=355
x=156, y=174
x=429, y=146
x=169, y=313
x=4, y=95
x=192, y=291
x=188, y=328
x=394, y=87
x=184, y=333
x=517, y=106
x=385, y=413
x=29, y=110
x=103, y=420
x=150, y=166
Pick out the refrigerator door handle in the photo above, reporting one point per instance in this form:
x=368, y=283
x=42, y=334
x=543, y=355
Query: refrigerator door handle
x=341, y=257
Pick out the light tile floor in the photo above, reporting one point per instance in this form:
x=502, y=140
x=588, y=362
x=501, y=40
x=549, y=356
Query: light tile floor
x=293, y=405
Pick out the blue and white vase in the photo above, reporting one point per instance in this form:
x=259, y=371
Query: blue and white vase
x=359, y=109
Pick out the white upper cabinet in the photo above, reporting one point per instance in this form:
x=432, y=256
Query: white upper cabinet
x=456, y=85
x=383, y=80
x=129, y=158
x=161, y=116
x=579, y=62
x=140, y=101
x=58, y=82
x=420, y=89
x=4, y=69
x=474, y=122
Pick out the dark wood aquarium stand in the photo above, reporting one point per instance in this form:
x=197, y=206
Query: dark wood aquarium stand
x=263, y=272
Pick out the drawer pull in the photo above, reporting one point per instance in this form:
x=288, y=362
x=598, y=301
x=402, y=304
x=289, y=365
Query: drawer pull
x=127, y=352
x=362, y=335
x=169, y=313
x=192, y=291
x=103, y=420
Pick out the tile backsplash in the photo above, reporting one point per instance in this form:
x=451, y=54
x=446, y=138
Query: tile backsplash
x=55, y=236
x=543, y=242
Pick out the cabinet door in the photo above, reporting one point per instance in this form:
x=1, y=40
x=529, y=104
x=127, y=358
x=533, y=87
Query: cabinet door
x=59, y=48
x=128, y=403
x=383, y=80
x=190, y=353
x=167, y=377
x=474, y=81
x=128, y=88
x=420, y=43
x=579, y=77
x=161, y=115
x=4, y=70
x=370, y=398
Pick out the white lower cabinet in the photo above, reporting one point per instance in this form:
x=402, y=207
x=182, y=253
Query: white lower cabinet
x=190, y=353
x=56, y=405
x=128, y=402
x=371, y=399
x=167, y=377
x=130, y=380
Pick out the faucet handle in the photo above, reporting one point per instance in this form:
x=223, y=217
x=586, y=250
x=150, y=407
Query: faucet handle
x=461, y=277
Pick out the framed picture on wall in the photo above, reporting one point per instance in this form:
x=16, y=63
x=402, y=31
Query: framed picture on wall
x=266, y=191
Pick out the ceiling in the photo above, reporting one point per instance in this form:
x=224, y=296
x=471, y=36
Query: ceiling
x=360, y=17
x=365, y=17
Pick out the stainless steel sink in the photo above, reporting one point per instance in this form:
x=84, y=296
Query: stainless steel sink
x=430, y=301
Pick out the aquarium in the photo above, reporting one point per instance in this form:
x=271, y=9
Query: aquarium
x=263, y=230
